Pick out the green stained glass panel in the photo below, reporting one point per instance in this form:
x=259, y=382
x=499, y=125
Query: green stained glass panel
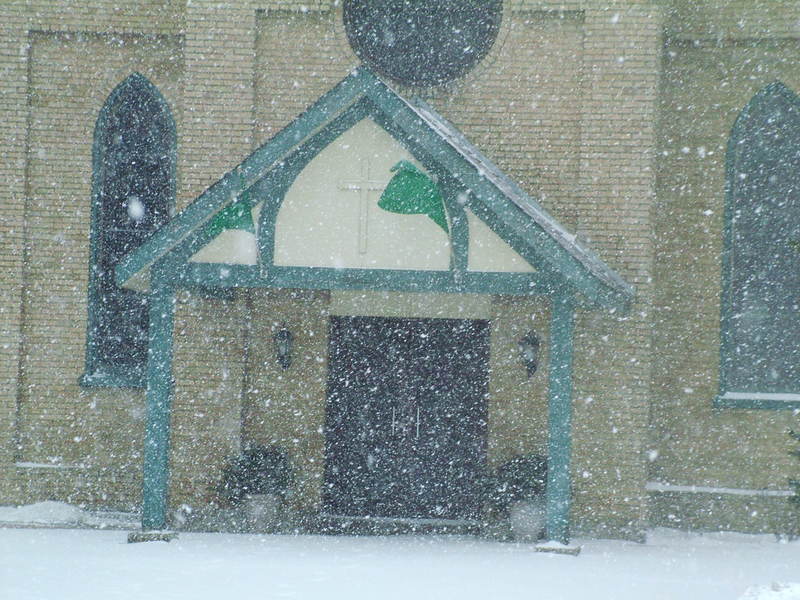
x=412, y=192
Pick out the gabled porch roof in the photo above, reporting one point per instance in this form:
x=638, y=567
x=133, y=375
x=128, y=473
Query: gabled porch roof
x=560, y=259
x=562, y=267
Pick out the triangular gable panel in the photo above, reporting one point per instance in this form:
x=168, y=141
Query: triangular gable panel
x=488, y=252
x=331, y=217
x=232, y=247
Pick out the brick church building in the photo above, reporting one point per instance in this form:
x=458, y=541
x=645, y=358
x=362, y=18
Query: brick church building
x=263, y=222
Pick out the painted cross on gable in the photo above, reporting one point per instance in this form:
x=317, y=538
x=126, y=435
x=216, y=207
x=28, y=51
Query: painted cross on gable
x=364, y=186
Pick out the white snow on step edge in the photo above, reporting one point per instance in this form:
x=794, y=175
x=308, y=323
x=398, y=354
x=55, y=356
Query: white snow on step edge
x=657, y=486
x=57, y=466
x=60, y=513
x=774, y=591
x=42, y=512
x=760, y=396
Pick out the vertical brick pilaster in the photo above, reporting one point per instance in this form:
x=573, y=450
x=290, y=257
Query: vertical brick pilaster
x=13, y=140
x=622, y=50
x=217, y=126
x=215, y=133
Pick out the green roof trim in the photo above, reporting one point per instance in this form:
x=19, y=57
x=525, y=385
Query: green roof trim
x=464, y=178
x=211, y=276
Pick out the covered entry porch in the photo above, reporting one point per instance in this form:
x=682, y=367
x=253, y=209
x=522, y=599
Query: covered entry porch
x=369, y=193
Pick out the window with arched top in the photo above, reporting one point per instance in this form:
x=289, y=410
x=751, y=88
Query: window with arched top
x=133, y=189
x=760, y=311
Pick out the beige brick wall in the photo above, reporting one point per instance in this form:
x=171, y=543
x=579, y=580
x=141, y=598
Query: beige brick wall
x=299, y=57
x=517, y=404
x=523, y=107
x=207, y=404
x=622, y=45
x=731, y=19
x=13, y=76
x=286, y=408
x=216, y=131
x=706, y=84
x=565, y=104
x=56, y=421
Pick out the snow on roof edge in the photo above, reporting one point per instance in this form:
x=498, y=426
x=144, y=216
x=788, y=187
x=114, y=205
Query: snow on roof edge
x=482, y=164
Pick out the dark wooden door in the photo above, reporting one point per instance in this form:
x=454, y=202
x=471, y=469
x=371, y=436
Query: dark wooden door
x=406, y=417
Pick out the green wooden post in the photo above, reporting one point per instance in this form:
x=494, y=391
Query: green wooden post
x=159, y=397
x=562, y=328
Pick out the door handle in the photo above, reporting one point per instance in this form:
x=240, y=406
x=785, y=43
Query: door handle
x=405, y=425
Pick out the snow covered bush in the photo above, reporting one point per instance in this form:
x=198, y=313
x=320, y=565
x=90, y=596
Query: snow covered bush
x=520, y=479
x=515, y=499
x=258, y=470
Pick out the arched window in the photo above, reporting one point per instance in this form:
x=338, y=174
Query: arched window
x=760, y=316
x=133, y=187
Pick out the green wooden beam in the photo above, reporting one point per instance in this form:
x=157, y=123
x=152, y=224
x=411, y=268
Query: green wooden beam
x=158, y=398
x=459, y=227
x=559, y=492
x=211, y=276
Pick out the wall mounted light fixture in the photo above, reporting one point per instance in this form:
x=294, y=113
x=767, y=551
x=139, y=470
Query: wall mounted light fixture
x=283, y=339
x=529, y=352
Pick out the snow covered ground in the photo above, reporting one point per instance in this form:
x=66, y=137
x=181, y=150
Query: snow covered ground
x=95, y=564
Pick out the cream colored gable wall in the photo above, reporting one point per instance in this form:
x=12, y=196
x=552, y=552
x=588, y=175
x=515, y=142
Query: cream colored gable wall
x=232, y=246
x=488, y=252
x=321, y=221
x=330, y=216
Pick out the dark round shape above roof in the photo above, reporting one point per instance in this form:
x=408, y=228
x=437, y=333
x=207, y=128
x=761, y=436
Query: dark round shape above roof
x=422, y=42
